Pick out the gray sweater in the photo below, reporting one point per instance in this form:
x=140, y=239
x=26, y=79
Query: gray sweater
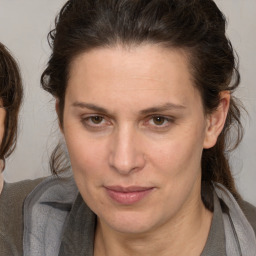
x=11, y=216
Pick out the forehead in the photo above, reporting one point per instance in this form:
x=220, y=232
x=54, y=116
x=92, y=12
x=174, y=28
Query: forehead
x=142, y=72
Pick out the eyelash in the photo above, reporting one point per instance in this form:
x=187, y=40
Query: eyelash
x=87, y=122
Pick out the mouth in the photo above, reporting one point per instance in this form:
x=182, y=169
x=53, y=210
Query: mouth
x=128, y=195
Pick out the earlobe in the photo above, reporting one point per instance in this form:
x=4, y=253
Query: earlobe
x=216, y=120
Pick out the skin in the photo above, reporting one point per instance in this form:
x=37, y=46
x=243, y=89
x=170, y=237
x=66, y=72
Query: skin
x=2, y=119
x=150, y=130
x=1, y=183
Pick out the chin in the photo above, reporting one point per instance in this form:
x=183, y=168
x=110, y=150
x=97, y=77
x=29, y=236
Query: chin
x=130, y=222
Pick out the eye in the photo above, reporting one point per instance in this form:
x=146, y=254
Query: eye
x=159, y=123
x=96, y=119
x=159, y=120
x=96, y=122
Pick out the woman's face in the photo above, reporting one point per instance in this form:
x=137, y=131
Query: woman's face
x=135, y=130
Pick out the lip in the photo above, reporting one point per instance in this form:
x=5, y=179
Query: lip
x=128, y=195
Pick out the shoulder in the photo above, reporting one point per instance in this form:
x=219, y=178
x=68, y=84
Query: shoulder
x=250, y=213
x=53, y=197
x=14, y=194
x=11, y=215
x=19, y=189
x=59, y=189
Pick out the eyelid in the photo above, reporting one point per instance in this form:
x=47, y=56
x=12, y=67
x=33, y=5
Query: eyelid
x=170, y=118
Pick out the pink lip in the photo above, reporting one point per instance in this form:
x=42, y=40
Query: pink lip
x=128, y=195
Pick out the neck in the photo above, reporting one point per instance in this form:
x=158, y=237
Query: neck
x=184, y=235
x=1, y=182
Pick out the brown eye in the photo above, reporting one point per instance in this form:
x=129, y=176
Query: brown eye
x=95, y=122
x=96, y=119
x=158, y=120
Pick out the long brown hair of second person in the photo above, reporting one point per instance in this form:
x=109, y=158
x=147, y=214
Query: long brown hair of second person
x=11, y=94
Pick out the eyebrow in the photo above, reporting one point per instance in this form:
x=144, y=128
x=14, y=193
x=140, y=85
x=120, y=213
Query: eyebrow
x=90, y=106
x=160, y=108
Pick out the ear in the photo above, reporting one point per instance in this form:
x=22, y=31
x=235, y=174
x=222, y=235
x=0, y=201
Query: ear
x=216, y=120
x=57, y=109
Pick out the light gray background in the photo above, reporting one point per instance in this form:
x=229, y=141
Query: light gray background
x=24, y=25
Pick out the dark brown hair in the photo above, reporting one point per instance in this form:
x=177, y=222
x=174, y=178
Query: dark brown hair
x=196, y=26
x=11, y=95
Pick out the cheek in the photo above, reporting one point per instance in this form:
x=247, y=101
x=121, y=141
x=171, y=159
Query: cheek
x=178, y=152
x=179, y=163
x=87, y=158
x=178, y=166
x=89, y=168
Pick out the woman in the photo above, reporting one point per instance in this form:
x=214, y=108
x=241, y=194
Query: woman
x=144, y=99
x=11, y=194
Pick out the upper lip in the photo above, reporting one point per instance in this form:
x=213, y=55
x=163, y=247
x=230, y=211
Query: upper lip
x=127, y=189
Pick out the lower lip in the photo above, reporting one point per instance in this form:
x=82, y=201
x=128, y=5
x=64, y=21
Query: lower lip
x=128, y=198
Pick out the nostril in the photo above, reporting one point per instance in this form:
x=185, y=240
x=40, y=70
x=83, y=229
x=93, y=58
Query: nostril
x=127, y=164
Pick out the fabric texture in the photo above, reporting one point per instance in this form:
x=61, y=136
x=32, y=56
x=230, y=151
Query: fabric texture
x=240, y=237
x=54, y=225
x=45, y=212
x=11, y=216
x=216, y=241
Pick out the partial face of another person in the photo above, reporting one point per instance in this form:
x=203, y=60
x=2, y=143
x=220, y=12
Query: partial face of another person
x=135, y=129
x=2, y=121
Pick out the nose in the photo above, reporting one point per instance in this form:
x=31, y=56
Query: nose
x=126, y=153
